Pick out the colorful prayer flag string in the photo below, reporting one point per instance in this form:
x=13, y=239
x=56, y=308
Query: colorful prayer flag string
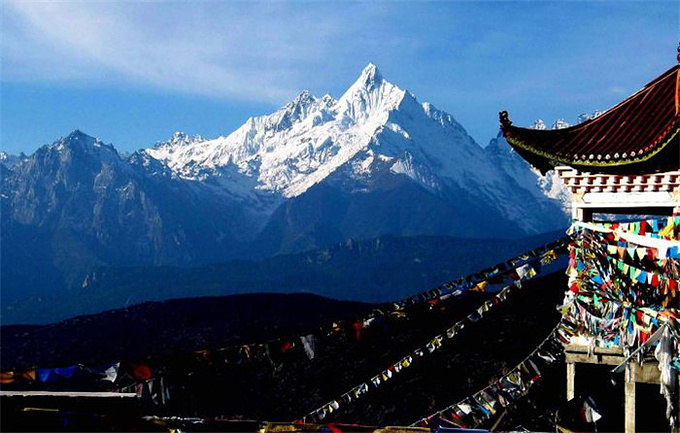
x=471, y=411
x=524, y=272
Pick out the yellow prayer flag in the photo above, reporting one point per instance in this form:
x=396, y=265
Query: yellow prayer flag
x=7, y=377
x=480, y=287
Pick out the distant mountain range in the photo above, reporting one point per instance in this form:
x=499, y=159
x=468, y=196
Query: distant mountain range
x=377, y=270
x=315, y=173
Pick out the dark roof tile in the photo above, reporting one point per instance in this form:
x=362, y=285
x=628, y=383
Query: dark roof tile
x=640, y=134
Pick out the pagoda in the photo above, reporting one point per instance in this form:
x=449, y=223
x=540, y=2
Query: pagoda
x=622, y=304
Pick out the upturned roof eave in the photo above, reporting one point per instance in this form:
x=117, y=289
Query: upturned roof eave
x=538, y=147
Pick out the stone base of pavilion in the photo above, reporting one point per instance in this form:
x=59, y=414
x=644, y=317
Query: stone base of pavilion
x=647, y=372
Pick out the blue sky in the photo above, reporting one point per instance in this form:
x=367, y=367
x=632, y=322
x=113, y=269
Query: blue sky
x=132, y=73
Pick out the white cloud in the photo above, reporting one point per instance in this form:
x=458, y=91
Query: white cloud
x=620, y=91
x=250, y=51
x=472, y=57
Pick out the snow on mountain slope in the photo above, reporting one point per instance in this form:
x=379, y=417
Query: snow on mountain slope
x=309, y=138
x=306, y=140
x=295, y=147
x=374, y=129
x=540, y=186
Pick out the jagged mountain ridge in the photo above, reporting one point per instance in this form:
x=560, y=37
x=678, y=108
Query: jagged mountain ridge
x=374, y=131
x=9, y=160
x=305, y=141
x=77, y=204
x=297, y=146
x=318, y=171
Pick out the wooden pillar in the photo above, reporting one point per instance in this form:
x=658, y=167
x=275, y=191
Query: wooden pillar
x=571, y=378
x=629, y=400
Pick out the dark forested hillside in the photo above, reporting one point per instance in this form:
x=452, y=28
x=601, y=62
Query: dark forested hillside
x=377, y=270
x=288, y=386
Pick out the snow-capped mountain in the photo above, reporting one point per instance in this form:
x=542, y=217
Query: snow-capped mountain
x=374, y=129
x=316, y=172
x=560, y=124
x=296, y=147
x=309, y=138
x=77, y=204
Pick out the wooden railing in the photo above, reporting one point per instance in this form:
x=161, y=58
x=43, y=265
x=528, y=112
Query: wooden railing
x=584, y=182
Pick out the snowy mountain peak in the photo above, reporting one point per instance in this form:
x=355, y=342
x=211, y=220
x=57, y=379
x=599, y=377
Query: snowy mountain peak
x=583, y=117
x=587, y=116
x=78, y=140
x=560, y=124
x=370, y=80
x=302, y=103
x=296, y=110
x=327, y=100
x=180, y=138
x=164, y=151
x=81, y=149
x=370, y=76
x=304, y=98
x=370, y=97
x=539, y=124
x=442, y=117
x=78, y=136
x=77, y=133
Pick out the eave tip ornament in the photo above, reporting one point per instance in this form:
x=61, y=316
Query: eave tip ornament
x=505, y=121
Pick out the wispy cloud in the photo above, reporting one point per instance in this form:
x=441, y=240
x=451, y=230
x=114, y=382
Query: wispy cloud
x=250, y=51
x=471, y=58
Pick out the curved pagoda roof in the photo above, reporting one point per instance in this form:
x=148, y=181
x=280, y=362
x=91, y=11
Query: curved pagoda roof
x=639, y=135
